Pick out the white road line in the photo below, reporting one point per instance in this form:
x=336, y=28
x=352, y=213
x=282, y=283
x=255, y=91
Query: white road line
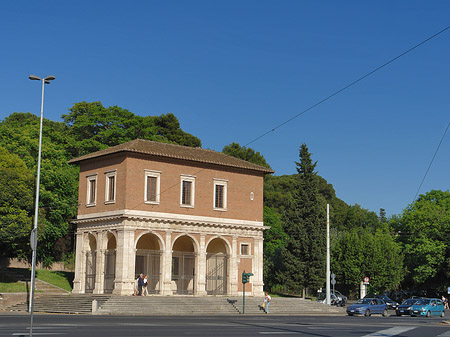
x=390, y=332
x=279, y=332
x=445, y=334
x=38, y=333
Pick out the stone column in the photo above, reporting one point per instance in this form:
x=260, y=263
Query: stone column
x=99, y=266
x=167, y=266
x=201, y=270
x=80, y=270
x=125, y=262
x=234, y=279
x=258, y=267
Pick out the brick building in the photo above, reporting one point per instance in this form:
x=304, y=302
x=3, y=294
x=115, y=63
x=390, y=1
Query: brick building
x=191, y=219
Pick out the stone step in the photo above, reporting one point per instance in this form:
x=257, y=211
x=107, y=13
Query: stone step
x=174, y=305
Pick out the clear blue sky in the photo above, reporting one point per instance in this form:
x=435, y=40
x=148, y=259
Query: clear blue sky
x=232, y=70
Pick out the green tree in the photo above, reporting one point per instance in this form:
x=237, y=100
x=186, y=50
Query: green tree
x=358, y=253
x=274, y=242
x=423, y=229
x=93, y=127
x=305, y=225
x=58, y=196
x=16, y=205
x=245, y=153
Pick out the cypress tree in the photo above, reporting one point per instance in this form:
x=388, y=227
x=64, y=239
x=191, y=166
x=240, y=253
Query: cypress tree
x=304, y=222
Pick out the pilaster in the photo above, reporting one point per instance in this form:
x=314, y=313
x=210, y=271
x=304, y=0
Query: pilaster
x=201, y=270
x=125, y=262
x=167, y=266
x=234, y=266
x=80, y=270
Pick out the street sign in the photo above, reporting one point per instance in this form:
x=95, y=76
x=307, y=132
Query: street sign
x=33, y=239
x=333, y=281
x=366, y=280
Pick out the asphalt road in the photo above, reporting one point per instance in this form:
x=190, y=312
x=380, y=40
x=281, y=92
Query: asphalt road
x=311, y=326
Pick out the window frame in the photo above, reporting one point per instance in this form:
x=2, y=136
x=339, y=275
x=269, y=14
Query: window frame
x=157, y=175
x=108, y=175
x=249, y=253
x=92, y=178
x=224, y=184
x=191, y=179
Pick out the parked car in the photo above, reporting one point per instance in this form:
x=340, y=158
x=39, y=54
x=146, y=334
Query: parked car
x=390, y=303
x=428, y=307
x=405, y=307
x=337, y=298
x=367, y=307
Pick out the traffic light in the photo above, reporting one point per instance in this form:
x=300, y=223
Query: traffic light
x=246, y=277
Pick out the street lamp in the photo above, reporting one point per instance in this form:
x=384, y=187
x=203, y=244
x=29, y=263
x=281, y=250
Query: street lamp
x=33, y=238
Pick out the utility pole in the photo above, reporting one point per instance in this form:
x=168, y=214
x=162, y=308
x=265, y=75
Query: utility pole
x=328, y=255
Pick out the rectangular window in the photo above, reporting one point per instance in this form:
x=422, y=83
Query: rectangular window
x=245, y=249
x=152, y=186
x=187, y=191
x=91, y=197
x=110, y=188
x=220, y=194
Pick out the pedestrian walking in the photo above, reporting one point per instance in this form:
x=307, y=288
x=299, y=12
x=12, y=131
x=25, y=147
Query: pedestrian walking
x=266, y=303
x=145, y=291
x=140, y=284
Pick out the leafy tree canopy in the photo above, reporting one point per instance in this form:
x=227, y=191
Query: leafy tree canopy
x=424, y=231
x=245, y=153
x=16, y=204
x=93, y=127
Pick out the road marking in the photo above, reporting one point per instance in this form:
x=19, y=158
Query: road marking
x=390, y=332
x=279, y=332
x=445, y=334
x=38, y=333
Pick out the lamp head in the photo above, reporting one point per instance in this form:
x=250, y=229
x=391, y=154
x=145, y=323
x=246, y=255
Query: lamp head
x=34, y=77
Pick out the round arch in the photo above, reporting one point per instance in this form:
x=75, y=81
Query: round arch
x=149, y=260
x=91, y=259
x=184, y=264
x=217, y=266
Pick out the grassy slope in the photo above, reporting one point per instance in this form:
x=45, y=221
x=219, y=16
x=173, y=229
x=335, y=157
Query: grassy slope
x=10, y=284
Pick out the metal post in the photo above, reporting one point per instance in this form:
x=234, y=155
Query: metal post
x=243, y=300
x=36, y=212
x=328, y=256
x=33, y=238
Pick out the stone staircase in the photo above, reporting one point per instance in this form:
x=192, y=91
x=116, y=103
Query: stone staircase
x=174, y=305
x=64, y=304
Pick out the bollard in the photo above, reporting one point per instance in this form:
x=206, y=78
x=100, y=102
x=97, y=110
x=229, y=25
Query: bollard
x=94, y=306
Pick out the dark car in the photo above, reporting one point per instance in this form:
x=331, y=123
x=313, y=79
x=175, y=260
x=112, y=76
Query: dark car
x=367, y=307
x=337, y=298
x=390, y=303
x=406, y=306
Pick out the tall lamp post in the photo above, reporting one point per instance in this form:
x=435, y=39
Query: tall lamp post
x=33, y=238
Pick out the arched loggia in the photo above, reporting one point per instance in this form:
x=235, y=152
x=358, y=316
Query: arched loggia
x=148, y=261
x=183, y=266
x=216, y=267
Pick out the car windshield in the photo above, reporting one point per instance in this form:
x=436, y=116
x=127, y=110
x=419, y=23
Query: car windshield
x=363, y=301
x=422, y=302
x=409, y=302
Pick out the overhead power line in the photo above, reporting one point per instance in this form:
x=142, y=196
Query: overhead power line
x=432, y=159
x=348, y=85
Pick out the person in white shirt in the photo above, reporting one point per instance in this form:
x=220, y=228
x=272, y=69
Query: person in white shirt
x=267, y=300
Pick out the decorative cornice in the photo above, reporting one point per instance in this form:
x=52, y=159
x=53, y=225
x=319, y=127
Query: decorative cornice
x=170, y=219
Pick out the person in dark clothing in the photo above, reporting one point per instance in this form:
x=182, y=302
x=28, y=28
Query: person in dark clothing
x=140, y=284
